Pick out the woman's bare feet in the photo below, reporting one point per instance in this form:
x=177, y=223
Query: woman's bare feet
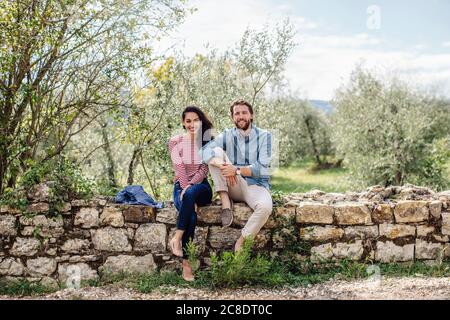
x=187, y=271
x=175, y=246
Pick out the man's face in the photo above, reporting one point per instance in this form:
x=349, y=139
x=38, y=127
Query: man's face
x=242, y=116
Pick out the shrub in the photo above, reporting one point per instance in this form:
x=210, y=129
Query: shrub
x=64, y=178
x=232, y=269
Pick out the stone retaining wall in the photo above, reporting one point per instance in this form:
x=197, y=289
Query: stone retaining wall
x=395, y=224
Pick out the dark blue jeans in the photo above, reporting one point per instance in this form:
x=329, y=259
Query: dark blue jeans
x=200, y=194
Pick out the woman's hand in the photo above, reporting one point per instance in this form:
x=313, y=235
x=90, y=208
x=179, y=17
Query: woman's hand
x=183, y=191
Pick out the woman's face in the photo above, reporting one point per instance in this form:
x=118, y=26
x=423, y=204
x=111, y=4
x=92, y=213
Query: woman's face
x=191, y=122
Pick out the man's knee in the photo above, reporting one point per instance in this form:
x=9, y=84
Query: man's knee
x=219, y=153
x=265, y=207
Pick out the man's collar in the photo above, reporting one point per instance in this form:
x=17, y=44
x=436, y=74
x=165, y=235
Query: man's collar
x=245, y=133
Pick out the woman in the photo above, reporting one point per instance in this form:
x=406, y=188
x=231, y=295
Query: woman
x=191, y=185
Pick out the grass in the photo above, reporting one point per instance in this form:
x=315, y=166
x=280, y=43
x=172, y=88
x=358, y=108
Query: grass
x=415, y=269
x=247, y=269
x=277, y=276
x=301, y=178
x=162, y=281
x=23, y=287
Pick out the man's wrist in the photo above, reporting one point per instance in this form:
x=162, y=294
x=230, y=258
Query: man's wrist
x=237, y=171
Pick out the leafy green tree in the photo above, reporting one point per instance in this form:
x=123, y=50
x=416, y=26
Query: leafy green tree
x=63, y=64
x=211, y=81
x=304, y=131
x=387, y=133
x=261, y=56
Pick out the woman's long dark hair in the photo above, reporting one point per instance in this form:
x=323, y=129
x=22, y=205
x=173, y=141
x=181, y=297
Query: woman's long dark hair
x=206, y=123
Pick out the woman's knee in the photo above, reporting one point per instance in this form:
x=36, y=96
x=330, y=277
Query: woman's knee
x=190, y=194
x=198, y=191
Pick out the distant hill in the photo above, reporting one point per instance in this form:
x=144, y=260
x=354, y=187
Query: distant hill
x=322, y=105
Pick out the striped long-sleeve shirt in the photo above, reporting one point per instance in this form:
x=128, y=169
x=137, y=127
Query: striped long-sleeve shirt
x=253, y=150
x=186, y=161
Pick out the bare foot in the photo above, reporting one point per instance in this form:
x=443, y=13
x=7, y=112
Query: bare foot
x=187, y=271
x=175, y=246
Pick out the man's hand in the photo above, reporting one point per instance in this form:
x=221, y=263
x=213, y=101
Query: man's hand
x=231, y=181
x=228, y=170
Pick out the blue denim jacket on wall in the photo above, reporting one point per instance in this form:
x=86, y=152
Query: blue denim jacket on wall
x=136, y=195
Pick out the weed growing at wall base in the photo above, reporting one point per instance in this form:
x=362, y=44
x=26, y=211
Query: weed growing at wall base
x=23, y=287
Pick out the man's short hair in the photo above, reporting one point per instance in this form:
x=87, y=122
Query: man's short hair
x=241, y=102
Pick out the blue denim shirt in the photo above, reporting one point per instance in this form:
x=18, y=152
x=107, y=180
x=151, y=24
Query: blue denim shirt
x=253, y=150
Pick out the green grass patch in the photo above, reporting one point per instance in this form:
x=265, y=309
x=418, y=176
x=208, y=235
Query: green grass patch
x=277, y=276
x=417, y=269
x=249, y=269
x=302, y=178
x=235, y=271
x=147, y=283
x=23, y=287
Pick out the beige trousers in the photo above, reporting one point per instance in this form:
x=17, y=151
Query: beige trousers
x=257, y=198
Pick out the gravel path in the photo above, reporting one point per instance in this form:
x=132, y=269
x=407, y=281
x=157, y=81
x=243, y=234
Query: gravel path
x=390, y=288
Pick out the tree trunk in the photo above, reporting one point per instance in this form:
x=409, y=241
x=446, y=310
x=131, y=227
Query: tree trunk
x=111, y=166
x=398, y=178
x=133, y=164
x=313, y=141
x=338, y=163
x=2, y=170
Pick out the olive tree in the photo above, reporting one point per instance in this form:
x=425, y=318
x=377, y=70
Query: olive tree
x=303, y=131
x=63, y=64
x=211, y=81
x=262, y=55
x=389, y=133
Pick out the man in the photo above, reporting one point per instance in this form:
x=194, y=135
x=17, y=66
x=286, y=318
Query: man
x=238, y=161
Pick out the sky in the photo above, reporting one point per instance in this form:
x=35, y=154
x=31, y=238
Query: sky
x=406, y=38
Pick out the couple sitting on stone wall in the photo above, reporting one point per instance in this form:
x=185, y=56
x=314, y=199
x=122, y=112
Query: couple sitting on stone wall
x=238, y=160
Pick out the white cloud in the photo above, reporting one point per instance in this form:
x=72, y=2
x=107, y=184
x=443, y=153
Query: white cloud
x=321, y=62
x=420, y=46
x=446, y=44
x=222, y=23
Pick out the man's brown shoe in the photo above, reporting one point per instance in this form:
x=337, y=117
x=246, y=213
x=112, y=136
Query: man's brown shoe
x=227, y=217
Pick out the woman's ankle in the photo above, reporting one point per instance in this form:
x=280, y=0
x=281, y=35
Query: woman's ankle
x=178, y=236
x=186, y=263
x=187, y=268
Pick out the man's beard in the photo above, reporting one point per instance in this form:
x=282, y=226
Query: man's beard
x=245, y=127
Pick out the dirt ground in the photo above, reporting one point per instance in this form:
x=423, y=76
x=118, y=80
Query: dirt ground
x=390, y=288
